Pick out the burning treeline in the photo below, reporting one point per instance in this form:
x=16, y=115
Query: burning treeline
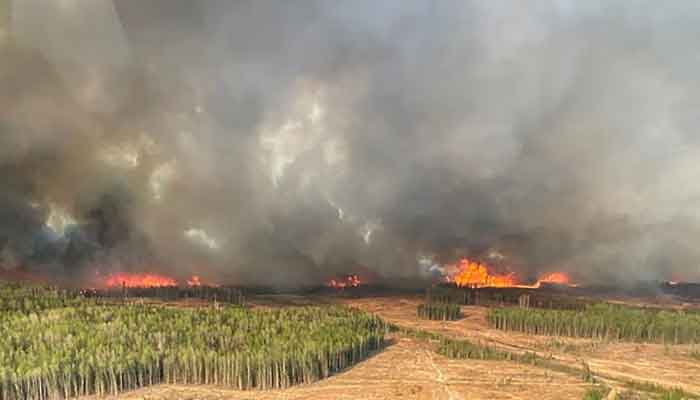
x=475, y=274
x=144, y=280
x=150, y=285
x=469, y=282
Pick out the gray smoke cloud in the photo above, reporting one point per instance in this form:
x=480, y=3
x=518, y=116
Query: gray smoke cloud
x=280, y=142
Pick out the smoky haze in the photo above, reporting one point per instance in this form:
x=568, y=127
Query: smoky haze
x=280, y=142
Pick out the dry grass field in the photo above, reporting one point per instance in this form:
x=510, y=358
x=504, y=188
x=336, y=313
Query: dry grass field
x=409, y=368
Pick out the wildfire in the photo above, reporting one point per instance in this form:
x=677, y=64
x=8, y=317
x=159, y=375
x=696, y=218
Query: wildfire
x=475, y=274
x=559, y=278
x=351, y=280
x=139, y=280
x=146, y=280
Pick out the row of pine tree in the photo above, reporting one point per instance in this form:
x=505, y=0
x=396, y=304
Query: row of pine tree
x=87, y=348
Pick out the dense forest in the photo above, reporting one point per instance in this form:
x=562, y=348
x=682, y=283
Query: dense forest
x=57, y=346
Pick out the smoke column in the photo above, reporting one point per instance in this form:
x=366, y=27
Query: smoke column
x=276, y=143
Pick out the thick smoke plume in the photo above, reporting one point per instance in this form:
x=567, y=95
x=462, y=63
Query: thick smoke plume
x=278, y=142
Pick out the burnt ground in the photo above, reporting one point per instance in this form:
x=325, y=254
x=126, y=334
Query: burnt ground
x=409, y=369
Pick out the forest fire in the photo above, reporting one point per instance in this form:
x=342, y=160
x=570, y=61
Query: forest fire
x=138, y=280
x=196, y=281
x=475, y=274
x=146, y=280
x=558, y=278
x=351, y=280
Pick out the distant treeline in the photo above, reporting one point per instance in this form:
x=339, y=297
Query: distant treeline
x=34, y=298
x=224, y=294
x=602, y=321
x=19, y=298
x=492, y=296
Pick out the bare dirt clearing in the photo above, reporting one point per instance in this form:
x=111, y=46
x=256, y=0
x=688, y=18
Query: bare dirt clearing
x=669, y=366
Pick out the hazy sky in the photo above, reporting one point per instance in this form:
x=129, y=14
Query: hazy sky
x=279, y=142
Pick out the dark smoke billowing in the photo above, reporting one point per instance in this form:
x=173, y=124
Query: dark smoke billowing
x=277, y=142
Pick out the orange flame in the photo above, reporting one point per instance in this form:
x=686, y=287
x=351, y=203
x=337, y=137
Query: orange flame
x=351, y=280
x=195, y=280
x=146, y=280
x=474, y=274
x=559, y=278
x=139, y=280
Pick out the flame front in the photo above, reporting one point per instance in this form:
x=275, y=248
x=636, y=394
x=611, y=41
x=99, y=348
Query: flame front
x=468, y=273
x=559, y=278
x=475, y=274
x=139, y=280
x=147, y=280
